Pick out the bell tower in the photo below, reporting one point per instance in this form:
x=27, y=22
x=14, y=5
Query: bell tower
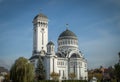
x=40, y=33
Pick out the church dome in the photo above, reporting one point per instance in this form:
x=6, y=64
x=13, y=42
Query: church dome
x=67, y=39
x=40, y=16
x=50, y=43
x=67, y=34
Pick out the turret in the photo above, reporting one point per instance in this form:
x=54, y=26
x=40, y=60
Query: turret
x=50, y=48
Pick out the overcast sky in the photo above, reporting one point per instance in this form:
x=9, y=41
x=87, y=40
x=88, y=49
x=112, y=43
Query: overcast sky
x=95, y=22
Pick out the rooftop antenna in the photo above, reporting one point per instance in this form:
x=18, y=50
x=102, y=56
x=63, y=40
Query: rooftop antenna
x=67, y=26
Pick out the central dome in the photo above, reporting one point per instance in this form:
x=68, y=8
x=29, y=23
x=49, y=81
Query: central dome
x=67, y=34
x=67, y=39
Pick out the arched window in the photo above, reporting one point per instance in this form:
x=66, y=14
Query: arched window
x=52, y=49
x=65, y=42
x=68, y=41
x=74, y=55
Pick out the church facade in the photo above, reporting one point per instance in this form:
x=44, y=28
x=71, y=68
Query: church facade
x=66, y=60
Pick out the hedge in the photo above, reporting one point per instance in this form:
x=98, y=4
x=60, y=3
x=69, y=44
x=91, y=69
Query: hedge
x=62, y=81
x=74, y=81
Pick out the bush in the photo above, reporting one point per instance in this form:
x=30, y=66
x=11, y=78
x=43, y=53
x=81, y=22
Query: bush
x=74, y=81
x=47, y=81
x=62, y=81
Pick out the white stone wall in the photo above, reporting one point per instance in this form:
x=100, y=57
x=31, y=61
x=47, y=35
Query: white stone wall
x=51, y=65
x=51, y=62
x=47, y=67
x=67, y=43
x=62, y=66
x=40, y=35
x=50, y=49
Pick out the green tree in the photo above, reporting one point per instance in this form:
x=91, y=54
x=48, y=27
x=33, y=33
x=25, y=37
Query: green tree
x=55, y=76
x=40, y=71
x=117, y=71
x=90, y=75
x=111, y=72
x=72, y=75
x=22, y=71
x=98, y=75
x=7, y=78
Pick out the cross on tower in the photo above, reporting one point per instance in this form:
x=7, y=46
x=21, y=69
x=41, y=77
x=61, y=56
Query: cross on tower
x=67, y=26
x=42, y=31
x=40, y=9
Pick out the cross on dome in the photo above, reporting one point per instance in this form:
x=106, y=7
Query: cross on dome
x=67, y=26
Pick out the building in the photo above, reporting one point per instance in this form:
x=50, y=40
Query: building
x=66, y=60
x=3, y=72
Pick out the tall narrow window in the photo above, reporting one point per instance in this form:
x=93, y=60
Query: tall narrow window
x=42, y=36
x=63, y=73
x=68, y=41
x=59, y=72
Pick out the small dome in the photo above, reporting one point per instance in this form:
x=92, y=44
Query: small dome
x=50, y=43
x=40, y=15
x=67, y=34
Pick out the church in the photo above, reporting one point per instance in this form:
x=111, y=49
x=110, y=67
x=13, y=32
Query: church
x=66, y=60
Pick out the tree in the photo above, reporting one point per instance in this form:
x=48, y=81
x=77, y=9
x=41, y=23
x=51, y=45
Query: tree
x=40, y=71
x=90, y=75
x=72, y=75
x=7, y=78
x=117, y=71
x=98, y=76
x=22, y=71
x=55, y=76
x=111, y=72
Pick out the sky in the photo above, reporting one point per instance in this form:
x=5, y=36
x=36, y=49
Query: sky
x=95, y=22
